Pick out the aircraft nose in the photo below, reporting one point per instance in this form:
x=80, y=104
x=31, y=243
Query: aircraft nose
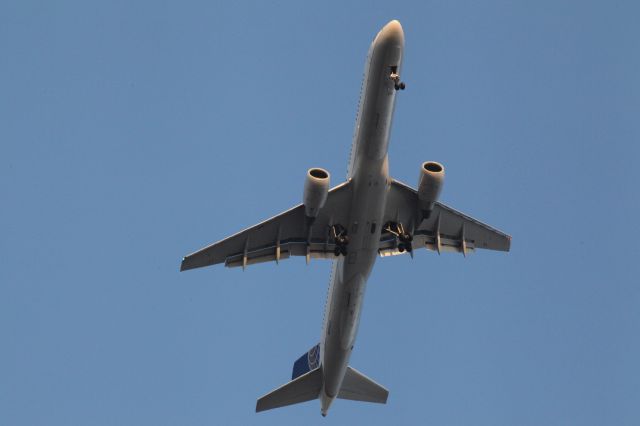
x=392, y=33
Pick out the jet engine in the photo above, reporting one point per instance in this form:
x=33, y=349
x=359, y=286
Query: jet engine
x=429, y=186
x=316, y=188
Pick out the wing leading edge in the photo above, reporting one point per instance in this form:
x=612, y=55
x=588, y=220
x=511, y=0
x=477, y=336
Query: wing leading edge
x=284, y=235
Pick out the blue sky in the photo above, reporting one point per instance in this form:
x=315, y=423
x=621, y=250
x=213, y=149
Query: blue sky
x=134, y=132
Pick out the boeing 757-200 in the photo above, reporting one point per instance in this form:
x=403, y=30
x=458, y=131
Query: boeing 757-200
x=369, y=215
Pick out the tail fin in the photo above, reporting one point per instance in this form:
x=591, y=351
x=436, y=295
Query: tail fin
x=307, y=362
x=358, y=387
x=304, y=388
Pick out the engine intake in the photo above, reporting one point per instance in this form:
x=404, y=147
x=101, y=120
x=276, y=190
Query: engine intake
x=429, y=185
x=316, y=189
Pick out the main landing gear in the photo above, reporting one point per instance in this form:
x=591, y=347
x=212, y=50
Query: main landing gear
x=403, y=237
x=341, y=240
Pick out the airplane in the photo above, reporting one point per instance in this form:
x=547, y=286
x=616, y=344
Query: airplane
x=369, y=215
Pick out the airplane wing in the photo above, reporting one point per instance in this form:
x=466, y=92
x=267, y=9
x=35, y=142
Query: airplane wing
x=444, y=230
x=280, y=237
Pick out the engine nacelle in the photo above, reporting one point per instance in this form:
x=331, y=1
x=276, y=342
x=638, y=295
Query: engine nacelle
x=316, y=189
x=429, y=185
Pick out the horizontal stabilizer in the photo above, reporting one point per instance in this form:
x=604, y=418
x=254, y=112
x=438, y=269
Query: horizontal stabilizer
x=304, y=388
x=358, y=387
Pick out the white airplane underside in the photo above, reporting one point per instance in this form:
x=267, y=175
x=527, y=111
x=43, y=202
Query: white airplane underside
x=368, y=216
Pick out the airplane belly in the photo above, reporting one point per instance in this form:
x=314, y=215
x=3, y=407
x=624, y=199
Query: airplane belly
x=351, y=274
x=350, y=316
x=369, y=174
x=344, y=317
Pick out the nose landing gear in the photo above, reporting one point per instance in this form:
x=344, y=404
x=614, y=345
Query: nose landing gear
x=395, y=77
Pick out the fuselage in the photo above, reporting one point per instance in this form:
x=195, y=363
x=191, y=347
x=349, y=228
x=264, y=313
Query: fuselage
x=369, y=175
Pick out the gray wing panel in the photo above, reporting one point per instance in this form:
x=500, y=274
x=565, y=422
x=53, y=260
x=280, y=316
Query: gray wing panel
x=445, y=229
x=278, y=238
x=358, y=387
x=305, y=388
x=475, y=232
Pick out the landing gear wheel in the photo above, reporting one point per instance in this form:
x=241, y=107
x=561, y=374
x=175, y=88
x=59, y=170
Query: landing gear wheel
x=337, y=251
x=401, y=248
x=407, y=238
x=402, y=86
x=340, y=238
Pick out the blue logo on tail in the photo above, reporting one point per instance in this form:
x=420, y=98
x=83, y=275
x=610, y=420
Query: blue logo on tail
x=307, y=362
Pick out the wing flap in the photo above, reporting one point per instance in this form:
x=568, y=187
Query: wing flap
x=389, y=247
x=315, y=250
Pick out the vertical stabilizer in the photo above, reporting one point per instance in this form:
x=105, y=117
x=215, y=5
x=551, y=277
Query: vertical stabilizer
x=307, y=362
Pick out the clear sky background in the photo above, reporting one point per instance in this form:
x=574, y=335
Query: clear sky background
x=135, y=132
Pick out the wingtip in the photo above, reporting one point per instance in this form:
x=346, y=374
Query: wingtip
x=260, y=407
